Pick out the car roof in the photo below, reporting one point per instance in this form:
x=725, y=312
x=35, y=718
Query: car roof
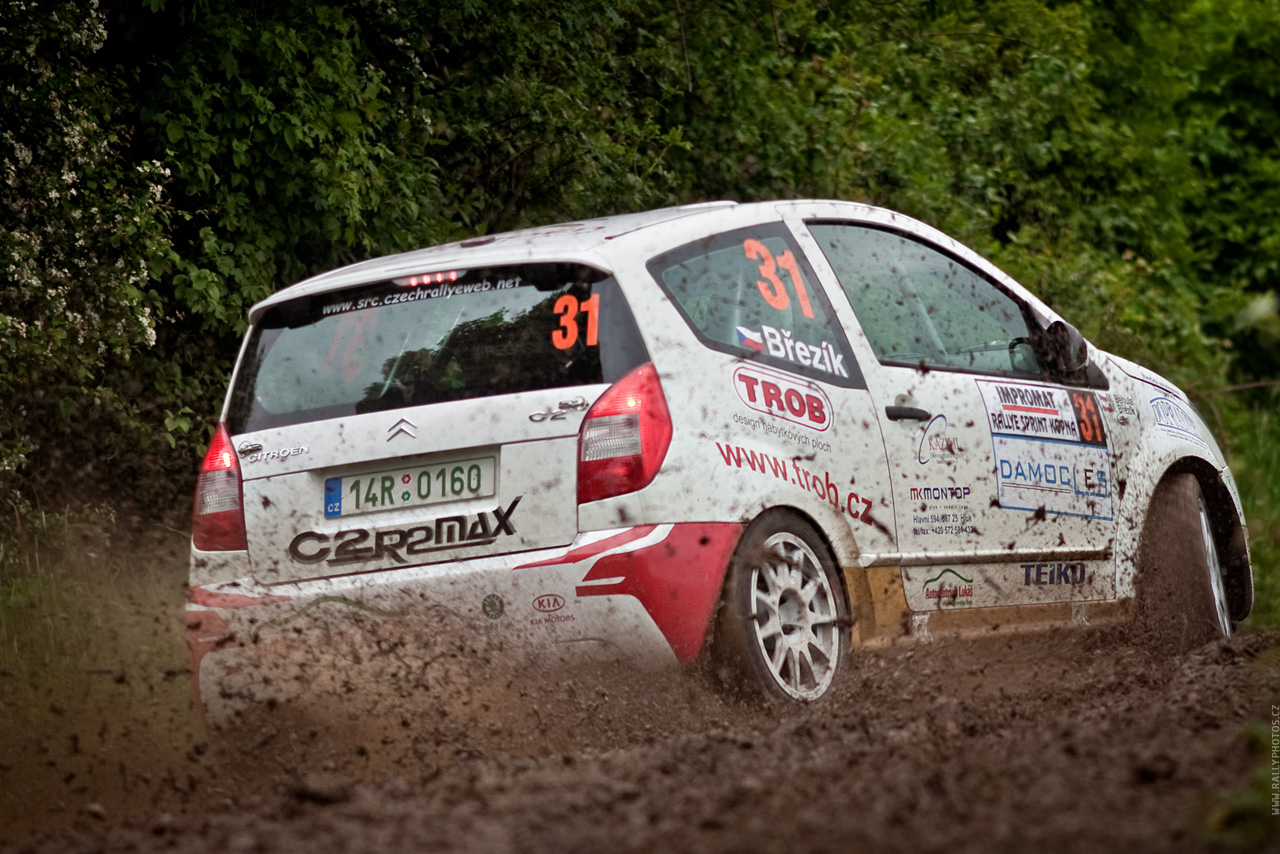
x=559, y=241
x=582, y=241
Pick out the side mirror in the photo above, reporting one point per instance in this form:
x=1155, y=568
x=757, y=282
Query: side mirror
x=1064, y=348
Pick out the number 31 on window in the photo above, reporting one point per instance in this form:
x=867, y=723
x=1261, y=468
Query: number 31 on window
x=771, y=287
x=567, y=307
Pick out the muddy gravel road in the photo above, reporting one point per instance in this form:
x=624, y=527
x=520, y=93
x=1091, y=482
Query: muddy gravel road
x=1076, y=740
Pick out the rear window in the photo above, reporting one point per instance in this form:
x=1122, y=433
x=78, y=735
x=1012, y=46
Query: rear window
x=433, y=338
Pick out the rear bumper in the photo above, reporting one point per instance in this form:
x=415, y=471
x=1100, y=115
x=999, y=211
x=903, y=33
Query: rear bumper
x=644, y=594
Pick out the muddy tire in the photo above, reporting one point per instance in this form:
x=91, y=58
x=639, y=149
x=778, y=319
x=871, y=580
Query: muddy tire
x=1182, y=600
x=782, y=631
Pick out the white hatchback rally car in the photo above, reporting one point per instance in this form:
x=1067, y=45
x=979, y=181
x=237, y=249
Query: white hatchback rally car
x=758, y=435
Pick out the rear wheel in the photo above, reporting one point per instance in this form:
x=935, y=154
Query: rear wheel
x=1181, y=593
x=783, y=629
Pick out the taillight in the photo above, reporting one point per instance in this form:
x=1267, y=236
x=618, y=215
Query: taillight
x=624, y=437
x=217, y=525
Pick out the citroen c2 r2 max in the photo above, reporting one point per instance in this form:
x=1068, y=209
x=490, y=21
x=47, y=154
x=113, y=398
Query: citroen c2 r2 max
x=761, y=435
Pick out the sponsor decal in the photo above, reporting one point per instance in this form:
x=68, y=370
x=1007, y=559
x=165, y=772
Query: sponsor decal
x=789, y=471
x=957, y=519
x=1043, y=413
x=1152, y=378
x=1122, y=405
x=1050, y=450
x=1174, y=420
x=359, y=545
x=548, y=619
x=790, y=434
x=935, y=443
x=419, y=291
x=1062, y=479
x=281, y=454
x=938, y=493
x=949, y=588
x=929, y=517
x=777, y=394
x=1006, y=583
x=822, y=356
x=548, y=602
x=945, y=519
x=1053, y=477
x=1053, y=573
x=493, y=606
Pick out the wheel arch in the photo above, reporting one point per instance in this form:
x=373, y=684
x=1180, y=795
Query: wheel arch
x=1225, y=518
x=842, y=546
x=1229, y=532
x=739, y=655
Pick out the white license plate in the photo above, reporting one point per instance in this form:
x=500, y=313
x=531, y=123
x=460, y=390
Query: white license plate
x=412, y=486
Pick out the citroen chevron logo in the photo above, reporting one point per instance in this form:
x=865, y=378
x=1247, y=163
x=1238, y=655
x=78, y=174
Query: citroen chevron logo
x=404, y=425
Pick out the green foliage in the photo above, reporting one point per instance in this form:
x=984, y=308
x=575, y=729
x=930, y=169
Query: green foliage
x=1231, y=131
x=303, y=137
x=282, y=151
x=81, y=226
x=993, y=122
x=532, y=114
x=1255, y=462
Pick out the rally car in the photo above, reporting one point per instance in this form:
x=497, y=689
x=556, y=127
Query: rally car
x=755, y=435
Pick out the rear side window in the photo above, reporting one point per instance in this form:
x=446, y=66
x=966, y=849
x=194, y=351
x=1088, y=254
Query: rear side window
x=434, y=338
x=751, y=293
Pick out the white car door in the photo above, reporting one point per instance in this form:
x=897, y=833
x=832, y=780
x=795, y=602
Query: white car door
x=1001, y=474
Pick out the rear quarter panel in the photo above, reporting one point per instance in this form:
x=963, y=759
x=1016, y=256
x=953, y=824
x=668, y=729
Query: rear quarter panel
x=728, y=462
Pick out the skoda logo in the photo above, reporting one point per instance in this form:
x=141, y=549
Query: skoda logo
x=493, y=606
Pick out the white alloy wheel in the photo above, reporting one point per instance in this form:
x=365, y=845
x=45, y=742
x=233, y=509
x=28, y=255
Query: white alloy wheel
x=795, y=617
x=782, y=630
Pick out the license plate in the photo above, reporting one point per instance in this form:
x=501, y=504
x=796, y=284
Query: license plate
x=414, y=486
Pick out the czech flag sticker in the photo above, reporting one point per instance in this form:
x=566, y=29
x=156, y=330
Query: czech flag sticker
x=751, y=340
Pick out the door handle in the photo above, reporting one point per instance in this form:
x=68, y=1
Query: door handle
x=907, y=413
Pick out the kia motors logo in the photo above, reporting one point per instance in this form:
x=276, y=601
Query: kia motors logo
x=776, y=393
x=548, y=602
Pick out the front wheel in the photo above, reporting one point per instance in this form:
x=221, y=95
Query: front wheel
x=1182, y=597
x=783, y=628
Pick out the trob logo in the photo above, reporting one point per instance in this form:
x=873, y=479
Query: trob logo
x=775, y=393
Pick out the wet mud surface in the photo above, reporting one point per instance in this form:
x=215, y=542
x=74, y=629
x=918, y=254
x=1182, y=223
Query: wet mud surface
x=1074, y=740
